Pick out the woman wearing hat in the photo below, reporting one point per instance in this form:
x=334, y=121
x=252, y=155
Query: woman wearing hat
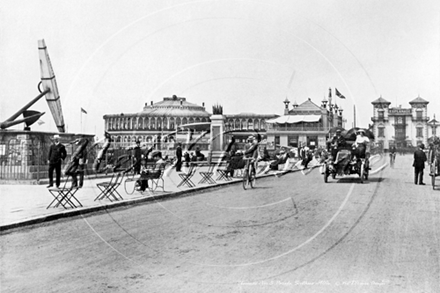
x=360, y=145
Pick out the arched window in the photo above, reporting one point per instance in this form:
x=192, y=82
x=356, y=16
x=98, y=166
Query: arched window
x=191, y=120
x=172, y=126
x=184, y=121
x=165, y=123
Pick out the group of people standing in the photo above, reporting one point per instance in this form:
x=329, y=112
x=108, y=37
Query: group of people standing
x=186, y=157
x=77, y=164
x=75, y=167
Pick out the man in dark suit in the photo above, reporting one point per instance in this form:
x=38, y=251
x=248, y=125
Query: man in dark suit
x=419, y=164
x=337, y=142
x=137, y=156
x=179, y=157
x=57, y=153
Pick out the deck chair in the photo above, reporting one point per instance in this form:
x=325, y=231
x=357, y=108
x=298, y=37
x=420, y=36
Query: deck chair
x=186, y=177
x=64, y=196
x=109, y=188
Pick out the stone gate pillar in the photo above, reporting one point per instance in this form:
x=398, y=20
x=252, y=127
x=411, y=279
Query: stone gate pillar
x=216, y=147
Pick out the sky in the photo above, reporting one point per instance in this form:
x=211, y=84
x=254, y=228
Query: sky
x=114, y=56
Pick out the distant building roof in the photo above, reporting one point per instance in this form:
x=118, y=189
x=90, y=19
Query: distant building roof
x=433, y=121
x=419, y=100
x=307, y=106
x=380, y=101
x=291, y=119
x=169, y=107
x=251, y=115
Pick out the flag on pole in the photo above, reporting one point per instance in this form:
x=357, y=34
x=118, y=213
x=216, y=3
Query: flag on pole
x=83, y=111
x=339, y=94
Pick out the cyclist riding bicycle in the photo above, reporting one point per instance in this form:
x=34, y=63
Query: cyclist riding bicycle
x=252, y=151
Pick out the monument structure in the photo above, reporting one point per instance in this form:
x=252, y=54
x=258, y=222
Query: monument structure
x=23, y=153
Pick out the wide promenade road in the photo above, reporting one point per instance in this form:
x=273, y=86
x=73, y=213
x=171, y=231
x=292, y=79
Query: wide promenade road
x=289, y=234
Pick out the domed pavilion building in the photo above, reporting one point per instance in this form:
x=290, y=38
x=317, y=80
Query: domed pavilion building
x=163, y=122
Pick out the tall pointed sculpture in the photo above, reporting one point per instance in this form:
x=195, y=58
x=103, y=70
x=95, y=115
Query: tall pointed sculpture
x=49, y=89
x=48, y=82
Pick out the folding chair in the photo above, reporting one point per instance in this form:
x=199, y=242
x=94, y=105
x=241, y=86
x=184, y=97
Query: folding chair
x=223, y=172
x=207, y=176
x=186, y=177
x=64, y=196
x=109, y=188
x=158, y=182
x=130, y=184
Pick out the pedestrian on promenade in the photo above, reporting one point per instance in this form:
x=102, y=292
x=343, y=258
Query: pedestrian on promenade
x=80, y=161
x=57, y=153
x=137, y=156
x=419, y=164
x=179, y=157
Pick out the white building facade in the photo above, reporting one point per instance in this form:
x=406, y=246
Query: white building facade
x=401, y=127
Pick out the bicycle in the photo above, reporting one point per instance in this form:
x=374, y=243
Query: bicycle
x=249, y=176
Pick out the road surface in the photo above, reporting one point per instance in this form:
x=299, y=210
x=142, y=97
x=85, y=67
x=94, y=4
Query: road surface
x=289, y=234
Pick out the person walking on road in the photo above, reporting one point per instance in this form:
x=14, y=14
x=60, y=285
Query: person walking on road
x=57, y=153
x=392, y=156
x=419, y=164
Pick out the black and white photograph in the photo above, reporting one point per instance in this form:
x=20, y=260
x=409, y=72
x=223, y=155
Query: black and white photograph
x=220, y=146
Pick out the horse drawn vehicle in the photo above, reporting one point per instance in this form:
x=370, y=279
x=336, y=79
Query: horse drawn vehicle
x=348, y=154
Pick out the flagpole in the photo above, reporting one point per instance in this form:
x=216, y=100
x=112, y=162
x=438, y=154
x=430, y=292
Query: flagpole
x=80, y=119
x=354, y=115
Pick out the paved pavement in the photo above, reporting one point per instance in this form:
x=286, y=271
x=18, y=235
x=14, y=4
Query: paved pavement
x=23, y=205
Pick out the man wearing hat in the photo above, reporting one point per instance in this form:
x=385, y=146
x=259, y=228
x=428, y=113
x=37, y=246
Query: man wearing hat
x=419, y=164
x=179, y=157
x=137, y=157
x=57, y=153
x=336, y=143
